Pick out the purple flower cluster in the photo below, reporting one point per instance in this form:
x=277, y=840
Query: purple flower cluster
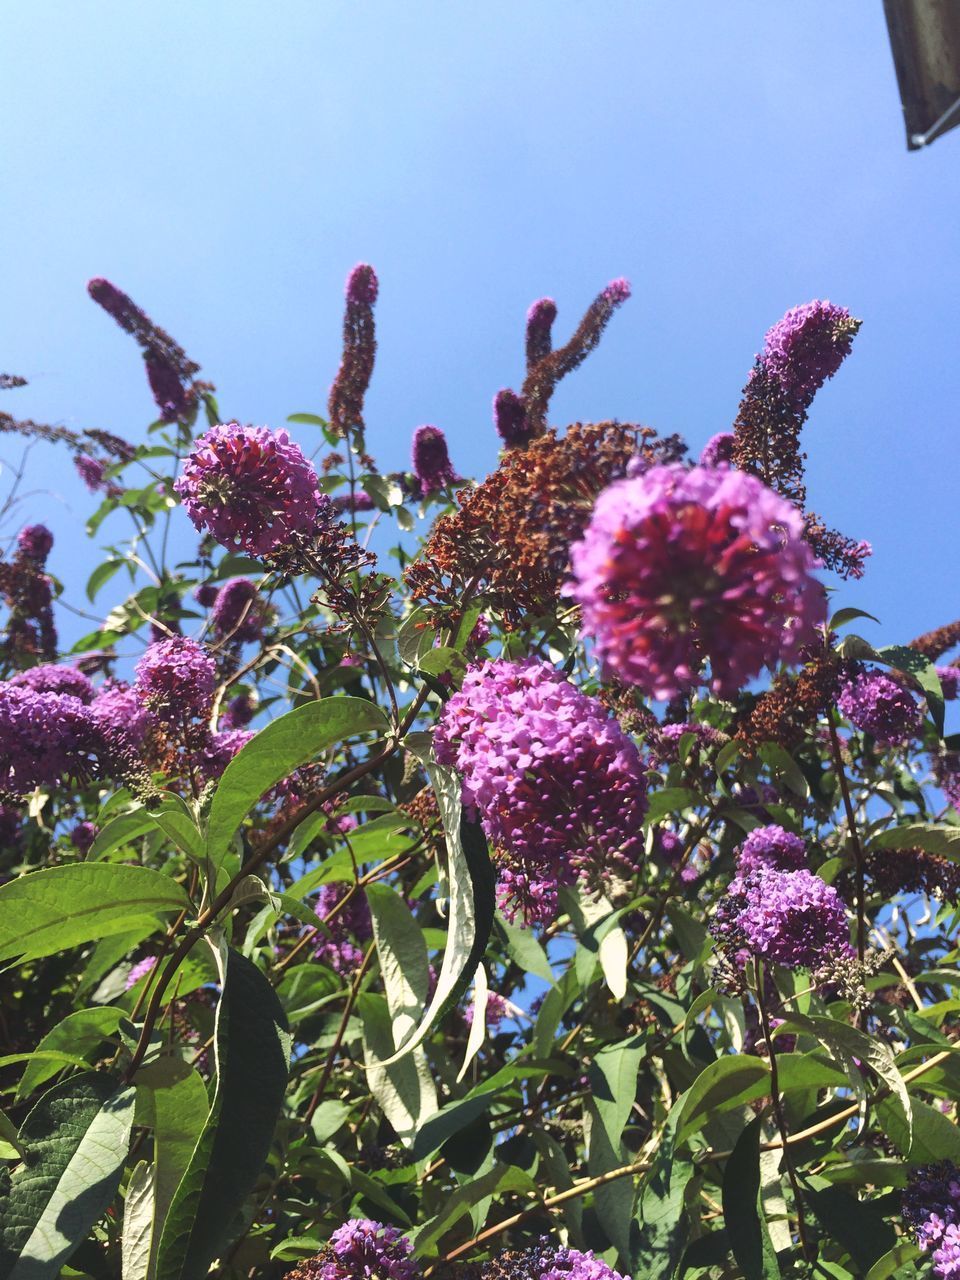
x=337, y=949
x=237, y=614
x=879, y=705
x=718, y=450
x=250, y=487
x=82, y=837
x=681, y=567
x=139, y=970
x=91, y=471
x=556, y=783
x=792, y=918
x=43, y=738
x=121, y=716
x=366, y=1250
x=176, y=679
x=510, y=419
x=668, y=845
x=431, y=461
x=219, y=749
x=545, y=1261
x=931, y=1204
x=498, y=1008
x=539, y=341
x=806, y=347
x=771, y=847
x=51, y=677
x=35, y=541
x=240, y=711
x=669, y=736
x=949, y=678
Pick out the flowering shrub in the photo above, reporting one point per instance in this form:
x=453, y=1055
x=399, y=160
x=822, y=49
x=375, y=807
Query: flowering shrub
x=527, y=879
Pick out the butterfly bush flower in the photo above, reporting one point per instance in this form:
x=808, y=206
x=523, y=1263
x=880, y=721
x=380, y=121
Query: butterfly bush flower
x=51, y=677
x=219, y=750
x=680, y=567
x=949, y=682
x=237, y=614
x=791, y=918
x=545, y=1261
x=120, y=714
x=139, y=970
x=806, y=347
x=35, y=541
x=251, y=487
x=91, y=471
x=718, y=450
x=82, y=836
x=240, y=711
x=879, y=705
x=556, y=783
x=431, y=460
x=337, y=948
x=176, y=679
x=361, y=1250
x=43, y=738
x=771, y=847
x=931, y=1204
x=510, y=418
x=540, y=320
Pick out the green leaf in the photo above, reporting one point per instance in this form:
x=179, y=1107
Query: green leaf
x=843, y=616
x=49, y=911
x=923, y=671
x=728, y=1082
x=402, y=954
x=921, y=835
x=857, y=1225
x=496, y=1181
x=287, y=743
x=138, y=1204
x=172, y=1100
x=402, y=1085
x=934, y=1137
x=307, y=419
x=451, y=1119
x=75, y=1144
x=252, y=1052
x=524, y=950
x=782, y=765
x=79, y=1033
x=478, y=1024
x=101, y=575
x=471, y=881
x=612, y=1092
x=747, y=1232
x=891, y=1263
x=663, y=1221
x=668, y=800
x=119, y=831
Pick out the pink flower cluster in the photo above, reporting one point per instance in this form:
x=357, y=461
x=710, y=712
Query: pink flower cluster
x=806, y=347
x=680, y=568
x=879, y=705
x=250, y=487
x=365, y=1250
x=791, y=918
x=771, y=847
x=557, y=785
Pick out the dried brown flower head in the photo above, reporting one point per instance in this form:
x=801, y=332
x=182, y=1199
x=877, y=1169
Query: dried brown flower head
x=787, y=712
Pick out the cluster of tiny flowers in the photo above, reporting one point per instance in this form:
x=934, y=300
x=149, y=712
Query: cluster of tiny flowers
x=718, y=450
x=237, y=614
x=806, y=347
x=240, y=711
x=557, y=785
x=43, y=738
x=138, y=971
x=91, y=471
x=792, y=918
x=543, y=1261
x=667, y=737
x=771, y=847
x=121, y=716
x=668, y=845
x=879, y=705
x=250, y=487
x=219, y=749
x=949, y=678
x=51, y=677
x=82, y=837
x=338, y=949
x=682, y=567
x=497, y=1008
x=431, y=461
x=361, y=1250
x=35, y=541
x=176, y=679
x=931, y=1204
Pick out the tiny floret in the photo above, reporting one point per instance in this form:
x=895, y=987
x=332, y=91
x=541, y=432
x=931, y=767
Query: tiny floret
x=879, y=705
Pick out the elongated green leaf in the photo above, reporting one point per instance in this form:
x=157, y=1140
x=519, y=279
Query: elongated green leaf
x=500, y=1179
x=524, y=950
x=402, y=954
x=742, y=1211
x=921, y=835
x=172, y=1100
x=729, y=1082
x=61, y=907
x=891, y=1263
x=252, y=1052
x=289, y=742
x=471, y=885
x=120, y=831
x=663, y=1223
x=934, y=1137
x=401, y=1085
x=478, y=1024
x=75, y=1143
x=857, y=1225
x=138, y=1223
x=78, y=1034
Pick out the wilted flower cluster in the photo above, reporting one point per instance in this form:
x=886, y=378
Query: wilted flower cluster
x=931, y=1204
x=345, y=403
x=250, y=487
x=792, y=918
x=556, y=783
x=679, y=568
x=879, y=705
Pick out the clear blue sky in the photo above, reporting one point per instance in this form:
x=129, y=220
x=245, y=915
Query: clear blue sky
x=227, y=162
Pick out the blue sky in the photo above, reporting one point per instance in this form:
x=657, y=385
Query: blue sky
x=226, y=163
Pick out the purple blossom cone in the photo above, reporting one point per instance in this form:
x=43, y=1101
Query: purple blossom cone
x=931, y=1205
x=771, y=847
x=51, y=677
x=510, y=419
x=365, y=1250
x=806, y=347
x=250, y=487
x=44, y=737
x=236, y=614
x=121, y=716
x=176, y=679
x=791, y=918
x=557, y=785
x=540, y=320
x=431, y=460
x=679, y=568
x=879, y=705
x=338, y=940
x=35, y=541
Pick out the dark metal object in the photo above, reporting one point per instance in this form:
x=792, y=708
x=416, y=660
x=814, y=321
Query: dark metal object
x=925, y=40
